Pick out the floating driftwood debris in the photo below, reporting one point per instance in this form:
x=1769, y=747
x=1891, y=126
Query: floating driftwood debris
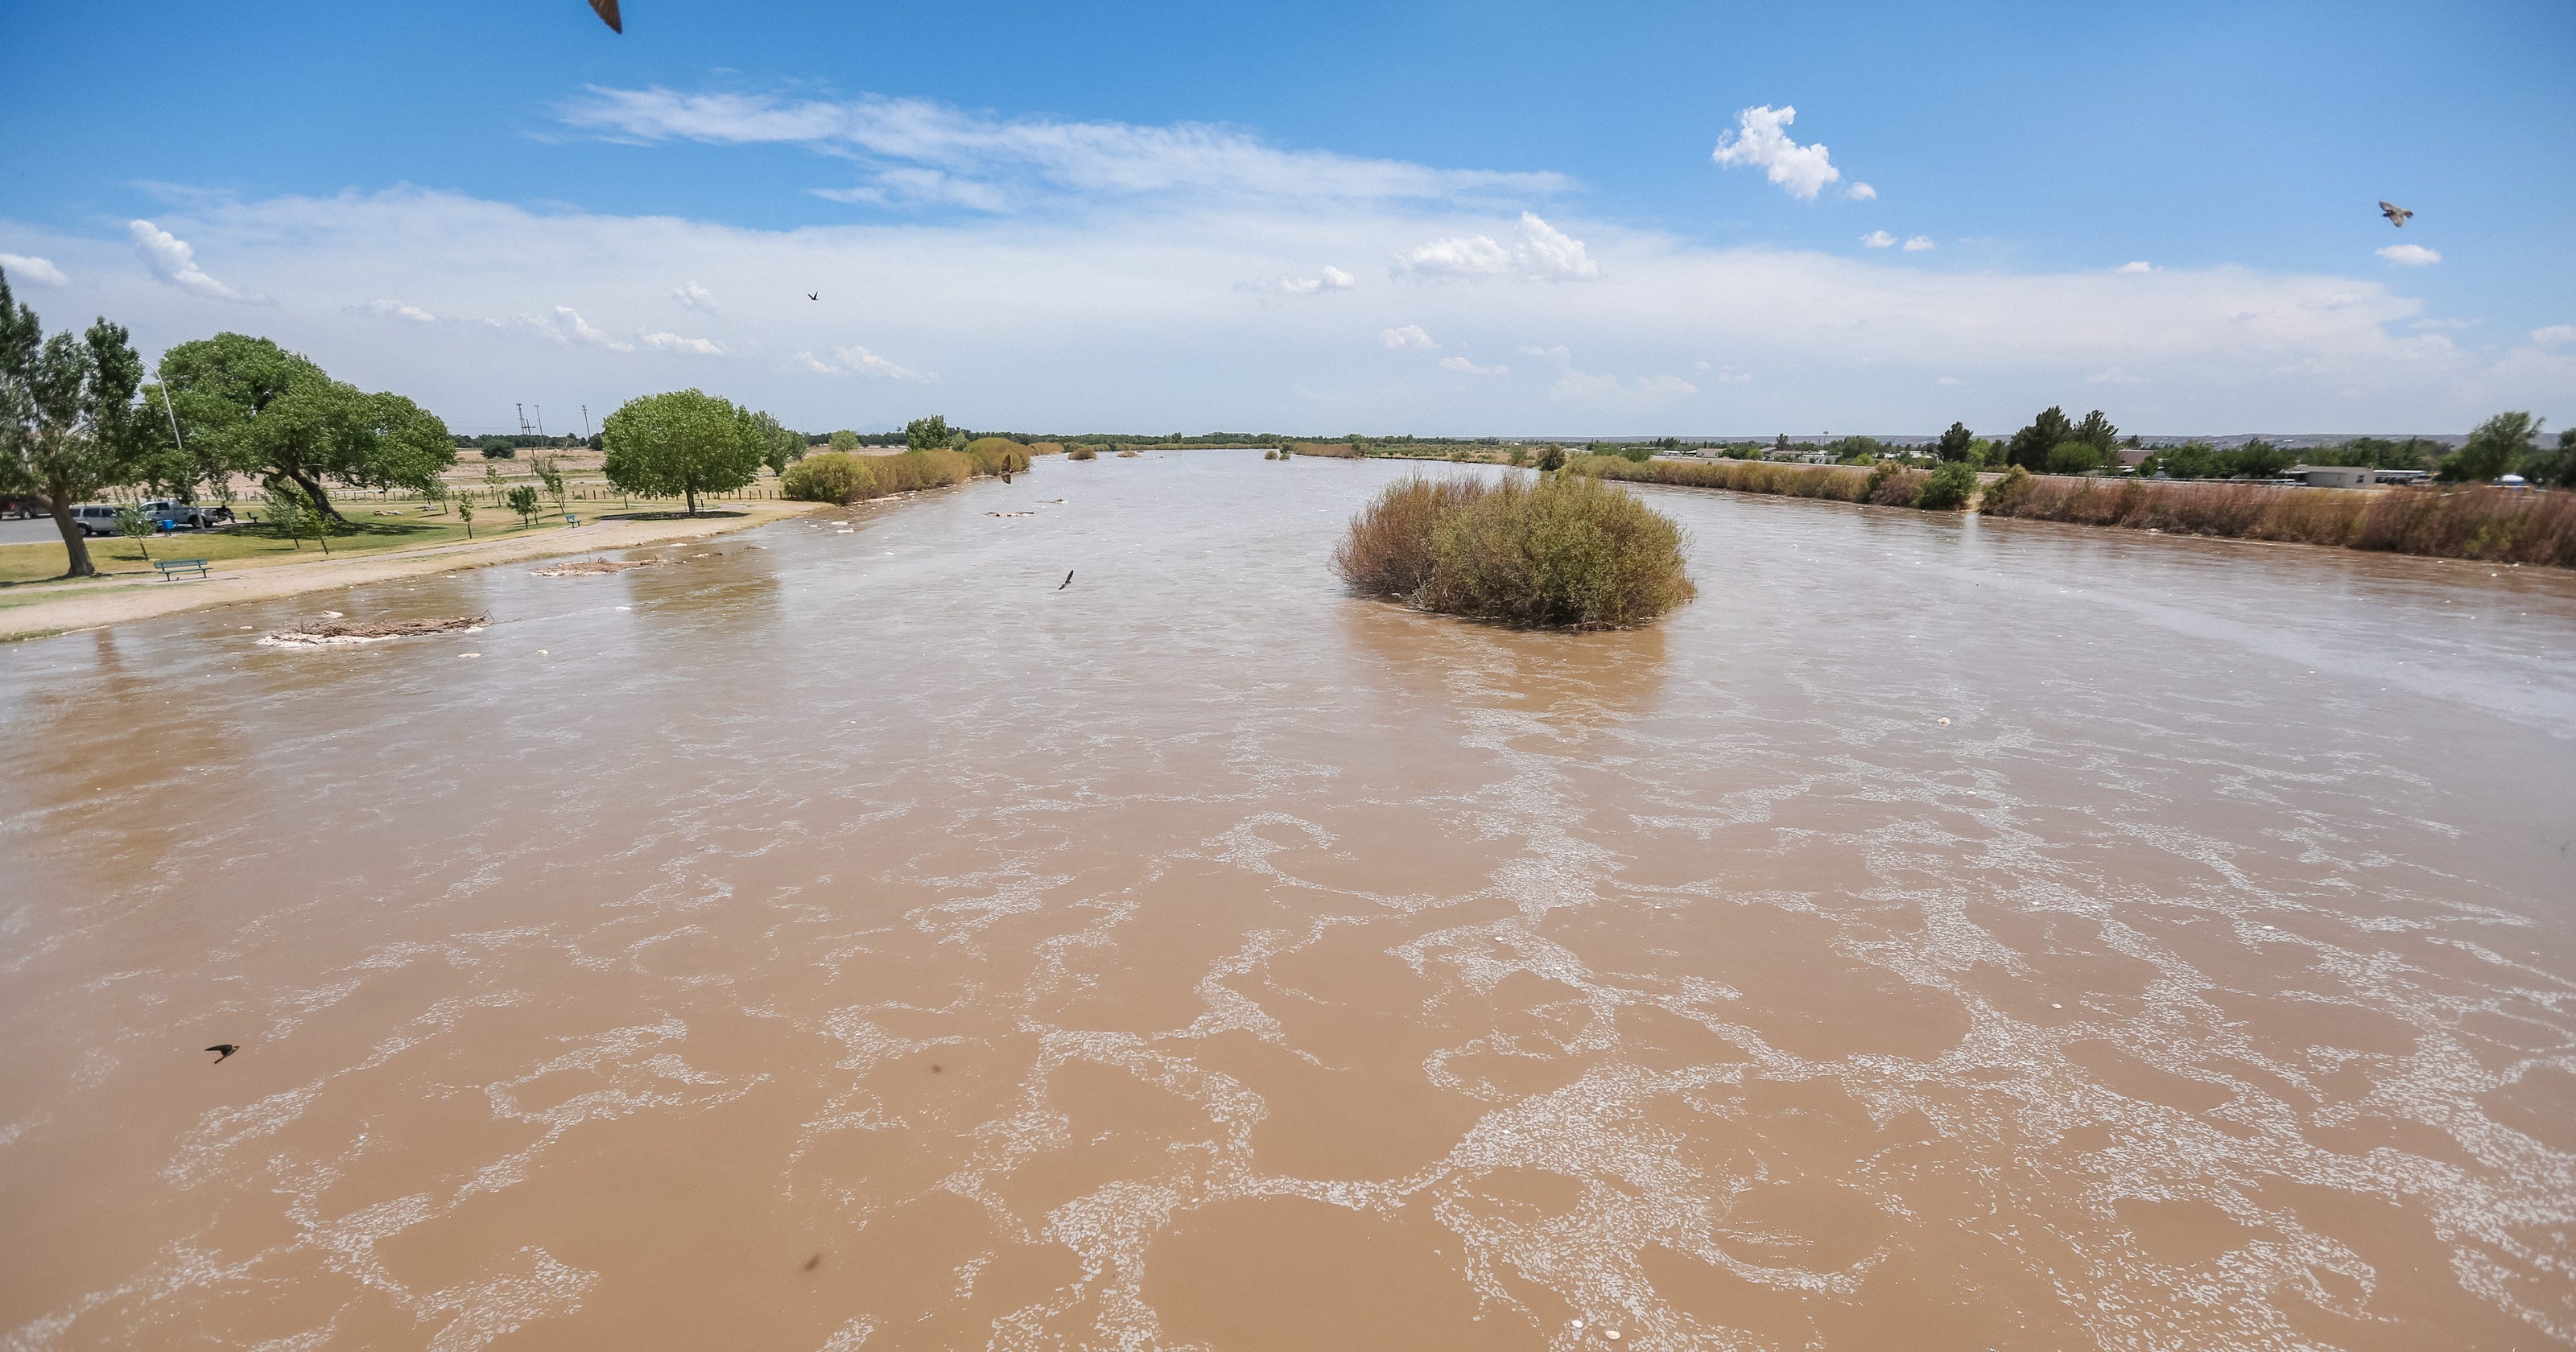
x=1010, y=514
x=594, y=567
x=330, y=632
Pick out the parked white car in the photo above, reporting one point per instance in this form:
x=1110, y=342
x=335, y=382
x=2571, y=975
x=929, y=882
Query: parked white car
x=95, y=518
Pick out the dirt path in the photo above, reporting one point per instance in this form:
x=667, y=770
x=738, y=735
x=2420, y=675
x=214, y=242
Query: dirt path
x=62, y=608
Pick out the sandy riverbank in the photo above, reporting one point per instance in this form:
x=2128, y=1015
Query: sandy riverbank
x=37, y=611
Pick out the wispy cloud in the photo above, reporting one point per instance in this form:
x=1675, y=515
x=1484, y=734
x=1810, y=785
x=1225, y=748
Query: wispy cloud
x=2132, y=268
x=1761, y=140
x=1861, y=192
x=29, y=268
x=2114, y=376
x=921, y=151
x=1878, y=239
x=1541, y=253
x=171, y=260
x=694, y=297
x=683, y=346
x=1408, y=336
x=2555, y=335
x=2411, y=255
x=1466, y=367
x=858, y=361
x=1918, y=243
x=393, y=309
x=1333, y=279
x=565, y=325
x=1577, y=384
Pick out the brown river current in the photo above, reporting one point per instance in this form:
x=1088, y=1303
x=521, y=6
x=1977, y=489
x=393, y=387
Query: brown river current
x=849, y=939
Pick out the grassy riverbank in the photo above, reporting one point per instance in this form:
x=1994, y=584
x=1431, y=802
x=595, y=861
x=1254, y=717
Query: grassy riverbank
x=2493, y=524
x=31, y=610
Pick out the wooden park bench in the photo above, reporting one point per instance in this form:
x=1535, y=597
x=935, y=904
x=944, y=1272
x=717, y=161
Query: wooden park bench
x=170, y=568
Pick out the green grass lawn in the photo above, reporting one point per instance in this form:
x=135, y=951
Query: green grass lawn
x=252, y=546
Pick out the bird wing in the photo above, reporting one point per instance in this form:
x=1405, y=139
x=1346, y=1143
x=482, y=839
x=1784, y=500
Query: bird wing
x=607, y=12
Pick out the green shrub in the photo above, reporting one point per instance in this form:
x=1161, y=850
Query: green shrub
x=1947, y=488
x=1551, y=460
x=2074, y=457
x=1564, y=552
x=834, y=476
x=2005, y=496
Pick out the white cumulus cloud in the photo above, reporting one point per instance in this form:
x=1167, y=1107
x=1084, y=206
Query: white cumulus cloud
x=28, y=268
x=858, y=361
x=1761, y=140
x=171, y=260
x=1918, y=244
x=2411, y=255
x=2141, y=265
x=1466, y=367
x=1861, y=192
x=694, y=297
x=1878, y=239
x=1409, y=336
x=1542, y=253
x=2554, y=335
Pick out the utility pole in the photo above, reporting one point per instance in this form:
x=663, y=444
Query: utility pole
x=585, y=422
x=541, y=420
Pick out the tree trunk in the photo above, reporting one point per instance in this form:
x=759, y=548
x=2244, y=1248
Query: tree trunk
x=75, y=545
x=312, y=487
x=692, y=491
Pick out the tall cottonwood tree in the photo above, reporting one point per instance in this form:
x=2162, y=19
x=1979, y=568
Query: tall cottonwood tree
x=251, y=407
x=69, y=429
x=684, y=442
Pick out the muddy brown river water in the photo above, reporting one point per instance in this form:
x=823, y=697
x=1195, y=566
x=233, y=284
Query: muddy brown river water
x=851, y=939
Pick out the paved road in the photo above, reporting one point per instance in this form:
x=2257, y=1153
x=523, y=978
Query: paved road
x=39, y=530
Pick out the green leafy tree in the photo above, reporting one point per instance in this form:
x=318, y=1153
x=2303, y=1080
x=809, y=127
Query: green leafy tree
x=845, y=440
x=252, y=407
x=2097, y=430
x=1551, y=460
x=927, y=434
x=2256, y=460
x=523, y=500
x=2495, y=447
x=549, y=472
x=684, y=442
x=465, y=511
x=2030, y=446
x=291, y=514
x=1955, y=442
x=134, y=525
x=779, y=446
x=69, y=426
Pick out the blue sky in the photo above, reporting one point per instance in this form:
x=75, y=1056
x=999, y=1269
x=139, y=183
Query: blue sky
x=1437, y=218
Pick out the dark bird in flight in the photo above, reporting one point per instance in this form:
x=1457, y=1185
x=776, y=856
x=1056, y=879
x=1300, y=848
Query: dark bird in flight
x=607, y=12
x=2396, y=214
x=226, y=1048
x=813, y=295
x=1068, y=580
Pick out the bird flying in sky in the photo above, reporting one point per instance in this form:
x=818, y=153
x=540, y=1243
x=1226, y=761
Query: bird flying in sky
x=2396, y=214
x=813, y=295
x=607, y=11
x=225, y=1047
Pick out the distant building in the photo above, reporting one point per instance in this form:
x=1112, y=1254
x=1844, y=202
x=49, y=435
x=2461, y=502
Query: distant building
x=2131, y=455
x=2335, y=476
